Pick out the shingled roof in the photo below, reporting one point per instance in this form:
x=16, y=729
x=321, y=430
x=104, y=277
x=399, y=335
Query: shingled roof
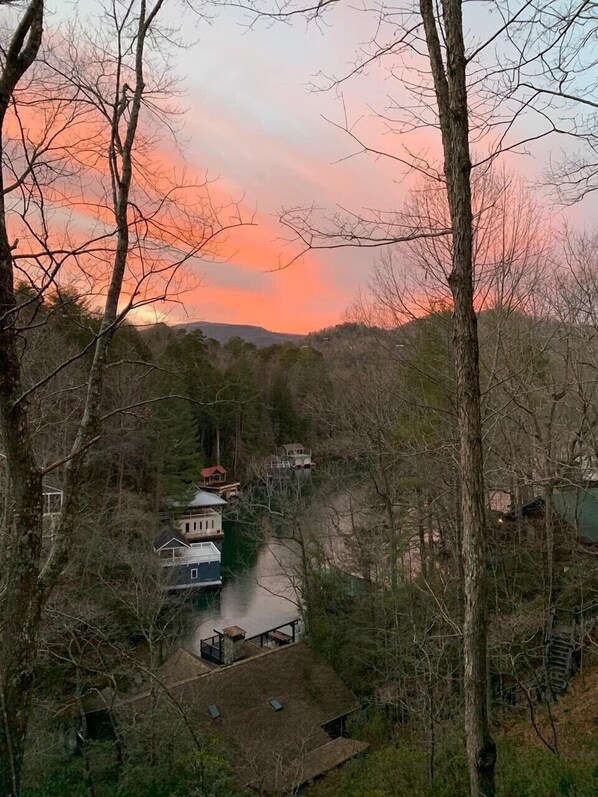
x=181, y=666
x=168, y=538
x=270, y=749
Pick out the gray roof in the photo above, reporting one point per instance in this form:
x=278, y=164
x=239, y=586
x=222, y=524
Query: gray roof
x=200, y=499
x=169, y=538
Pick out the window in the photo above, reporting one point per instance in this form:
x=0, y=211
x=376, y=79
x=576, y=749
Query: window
x=186, y=526
x=194, y=573
x=200, y=525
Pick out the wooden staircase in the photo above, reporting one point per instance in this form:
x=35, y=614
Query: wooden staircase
x=567, y=632
x=564, y=635
x=558, y=652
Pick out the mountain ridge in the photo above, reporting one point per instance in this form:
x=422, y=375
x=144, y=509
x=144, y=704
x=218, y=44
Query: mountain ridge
x=259, y=336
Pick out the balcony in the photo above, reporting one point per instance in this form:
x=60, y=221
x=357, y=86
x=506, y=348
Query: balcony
x=196, y=553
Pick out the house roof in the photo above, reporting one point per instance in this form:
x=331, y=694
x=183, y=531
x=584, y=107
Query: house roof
x=181, y=666
x=207, y=472
x=269, y=746
x=169, y=538
x=202, y=498
x=98, y=699
x=312, y=764
x=531, y=508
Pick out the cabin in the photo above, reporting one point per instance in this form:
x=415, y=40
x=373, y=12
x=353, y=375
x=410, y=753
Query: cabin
x=52, y=499
x=231, y=644
x=291, y=457
x=200, y=518
x=297, y=456
x=215, y=480
x=281, y=715
x=188, y=564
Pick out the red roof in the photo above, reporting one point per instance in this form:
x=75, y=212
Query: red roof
x=207, y=472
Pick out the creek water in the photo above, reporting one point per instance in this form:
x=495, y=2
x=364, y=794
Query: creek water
x=257, y=593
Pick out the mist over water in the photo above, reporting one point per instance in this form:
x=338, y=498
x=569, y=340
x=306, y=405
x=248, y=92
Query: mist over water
x=258, y=590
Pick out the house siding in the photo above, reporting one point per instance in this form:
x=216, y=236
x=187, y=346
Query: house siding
x=207, y=573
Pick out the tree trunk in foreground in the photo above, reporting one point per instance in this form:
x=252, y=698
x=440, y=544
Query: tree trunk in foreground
x=451, y=94
x=21, y=530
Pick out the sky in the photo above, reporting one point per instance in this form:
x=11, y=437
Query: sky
x=255, y=125
x=254, y=122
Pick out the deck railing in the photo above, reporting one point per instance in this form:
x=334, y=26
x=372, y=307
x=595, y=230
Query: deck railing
x=196, y=552
x=212, y=648
x=265, y=638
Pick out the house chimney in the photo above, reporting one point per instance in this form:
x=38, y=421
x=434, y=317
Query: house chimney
x=233, y=644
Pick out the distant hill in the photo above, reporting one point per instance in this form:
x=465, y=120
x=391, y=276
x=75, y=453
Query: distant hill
x=256, y=335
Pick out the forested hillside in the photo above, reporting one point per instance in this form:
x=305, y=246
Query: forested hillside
x=250, y=334
x=379, y=572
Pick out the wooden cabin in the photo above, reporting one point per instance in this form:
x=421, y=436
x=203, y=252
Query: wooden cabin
x=52, y=498
x=215, y=479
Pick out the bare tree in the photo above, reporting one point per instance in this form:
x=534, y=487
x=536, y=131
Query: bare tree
x=452, y=88
x=131, y=258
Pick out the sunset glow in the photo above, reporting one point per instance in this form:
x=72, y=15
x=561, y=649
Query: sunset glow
x=255, y=139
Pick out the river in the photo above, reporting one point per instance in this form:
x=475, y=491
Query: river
x=259, y=570
x=257, y=590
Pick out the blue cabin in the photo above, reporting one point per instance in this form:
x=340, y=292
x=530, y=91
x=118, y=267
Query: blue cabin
x=189, y=564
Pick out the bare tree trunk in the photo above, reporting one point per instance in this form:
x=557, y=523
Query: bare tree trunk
x=21, y=533
x=24, y=584
x=451, y=94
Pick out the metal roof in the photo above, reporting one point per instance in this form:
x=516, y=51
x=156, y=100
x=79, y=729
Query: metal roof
x=200, y=499
x=207, y=472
